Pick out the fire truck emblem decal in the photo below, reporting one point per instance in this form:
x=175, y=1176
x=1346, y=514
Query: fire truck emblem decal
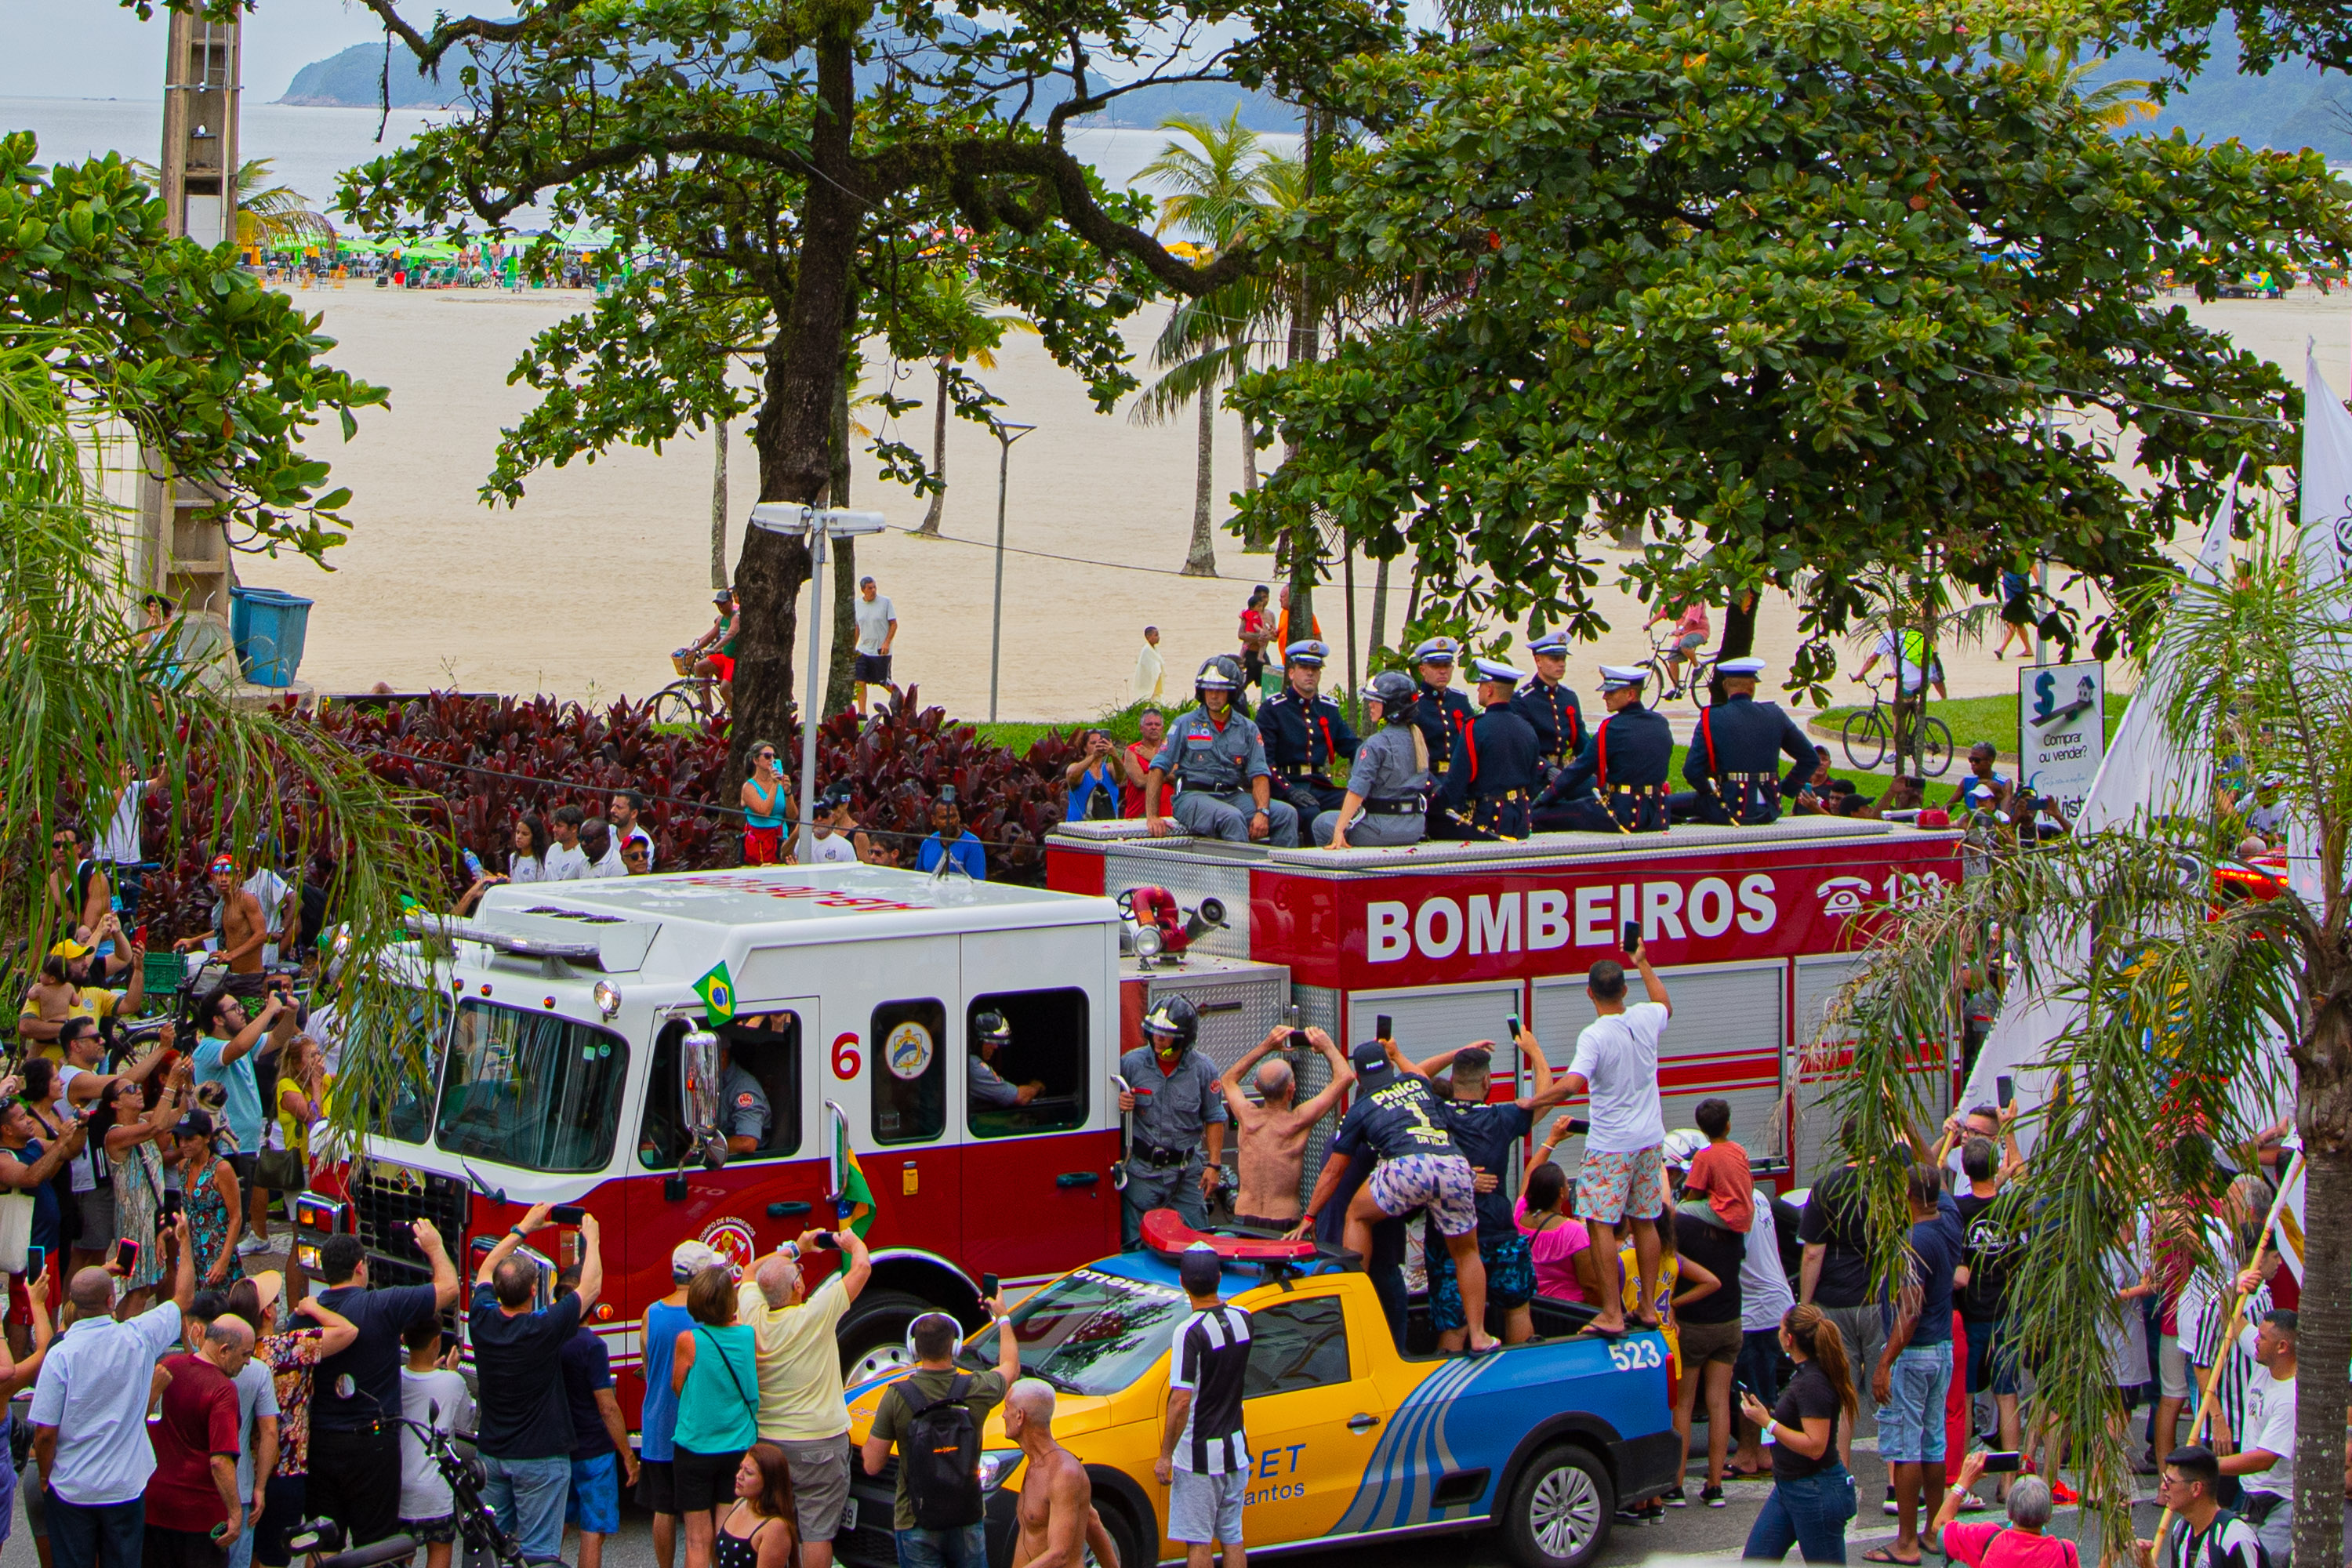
x=1844, y=895
x=908, y=1050
x=732, y=1240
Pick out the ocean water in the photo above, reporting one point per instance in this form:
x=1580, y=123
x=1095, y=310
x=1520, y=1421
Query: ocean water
x=309, y=148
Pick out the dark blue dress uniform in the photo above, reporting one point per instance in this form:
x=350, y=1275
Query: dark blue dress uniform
x=1491, y=787
x=1618, y=783
x=1558, y=717
x=1442, y=715
x=1732, y=766
x=1302, y=736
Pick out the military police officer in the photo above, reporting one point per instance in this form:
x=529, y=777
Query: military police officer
x=1734, y=753
x=1387, y=802
x=1304, y=731
x=1174, y=1107
x=1440, y=715
x=1498, y=772
x=1550, y=703
x=1223, y=787
x=1618, y=783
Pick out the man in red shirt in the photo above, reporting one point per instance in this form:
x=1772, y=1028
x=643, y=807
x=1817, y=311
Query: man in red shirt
x=193, y=1509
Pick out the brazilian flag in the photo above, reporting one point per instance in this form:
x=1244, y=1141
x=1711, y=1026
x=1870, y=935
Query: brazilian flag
x=855, y=1205
x=717, y=990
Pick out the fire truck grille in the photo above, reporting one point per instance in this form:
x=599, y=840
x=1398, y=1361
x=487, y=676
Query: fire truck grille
x=386, y=1199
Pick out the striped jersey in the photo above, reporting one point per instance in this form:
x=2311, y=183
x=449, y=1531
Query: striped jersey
x=1211, y=1357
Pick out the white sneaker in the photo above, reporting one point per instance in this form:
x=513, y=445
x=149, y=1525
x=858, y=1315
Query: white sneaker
x=251, y=1244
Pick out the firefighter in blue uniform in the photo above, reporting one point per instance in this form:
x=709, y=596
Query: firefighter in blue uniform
x=1550, y=703
x=1304, y=731
x=1500, y=768
x=1733, y=765
x=1214, y=755
x=1442, y=715
x=1618, y=783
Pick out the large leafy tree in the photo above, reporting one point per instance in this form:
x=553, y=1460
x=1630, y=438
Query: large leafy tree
x=1789, y=286
x=793, y=139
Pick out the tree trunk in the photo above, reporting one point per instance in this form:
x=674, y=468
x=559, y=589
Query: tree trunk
x=1299, y=552
x=1739, y=641
x=1249, y=456
x=1201, y=560
x=1349, y=700
x=2322, y=1062
x=794, y=427
x=840, y=691
x=719, y=507
x=929, y=527
x=1380, y=607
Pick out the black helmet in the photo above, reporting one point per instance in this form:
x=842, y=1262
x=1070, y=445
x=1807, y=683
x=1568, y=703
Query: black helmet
x=1175, y=1016
x=992, y=1028
x=1395, y=691
x=1223, y=673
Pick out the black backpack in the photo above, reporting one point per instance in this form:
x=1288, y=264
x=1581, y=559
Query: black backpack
x=940, y=1454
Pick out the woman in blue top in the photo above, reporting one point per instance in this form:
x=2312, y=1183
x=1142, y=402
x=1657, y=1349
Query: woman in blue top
x=715, y=1373
x=1093, y=781
x=763, y=807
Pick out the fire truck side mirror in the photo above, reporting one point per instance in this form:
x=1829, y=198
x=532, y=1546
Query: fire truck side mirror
x=697, y=1094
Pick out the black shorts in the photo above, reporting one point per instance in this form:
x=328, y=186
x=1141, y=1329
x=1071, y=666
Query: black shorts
x=874, y=669
x=182, y=1549
x=656, y=1487
x=285, y=1497
x=355, y=1482
x=700, y=1483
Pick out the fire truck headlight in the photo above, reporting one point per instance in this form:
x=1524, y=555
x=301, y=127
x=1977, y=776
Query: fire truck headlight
x=608, y=998
x=996, y=1467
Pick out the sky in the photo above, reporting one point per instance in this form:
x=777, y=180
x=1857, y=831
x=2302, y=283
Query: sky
x=96, y=49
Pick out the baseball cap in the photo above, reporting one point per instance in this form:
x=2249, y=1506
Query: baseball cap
x=70, y=948
x=1199, y=1270
x=1369, y=1059
x=1681, y=1146
x=688, y=1258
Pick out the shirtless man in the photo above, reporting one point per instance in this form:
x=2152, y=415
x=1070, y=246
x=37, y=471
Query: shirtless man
x=1273, y=1142
x=1057, y=1516
x=242, y=928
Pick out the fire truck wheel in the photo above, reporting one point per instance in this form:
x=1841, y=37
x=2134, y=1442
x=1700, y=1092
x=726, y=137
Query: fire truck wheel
x=1560, y=1509
x=873, y=1335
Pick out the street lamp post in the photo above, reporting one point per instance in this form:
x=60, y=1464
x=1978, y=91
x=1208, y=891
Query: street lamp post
x=819, y=525
x=1005, y=435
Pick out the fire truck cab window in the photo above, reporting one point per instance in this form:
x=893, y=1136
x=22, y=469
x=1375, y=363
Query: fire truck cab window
x=910, y=1071
x=1036, y=1081
x=763, y=1064
x=532, y=1089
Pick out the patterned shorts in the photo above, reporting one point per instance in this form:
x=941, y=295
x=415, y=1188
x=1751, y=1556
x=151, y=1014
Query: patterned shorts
x=1439, y=1183
x=1510, y=1279
x=1608, y=1187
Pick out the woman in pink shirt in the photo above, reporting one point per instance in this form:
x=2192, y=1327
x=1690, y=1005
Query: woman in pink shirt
x=1559, y=1243
x=1690, y=636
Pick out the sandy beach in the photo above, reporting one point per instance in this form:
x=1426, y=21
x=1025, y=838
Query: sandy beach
x=583, y=589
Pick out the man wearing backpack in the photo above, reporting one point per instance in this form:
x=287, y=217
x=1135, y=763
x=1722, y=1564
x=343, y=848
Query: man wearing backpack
x=934, y=1417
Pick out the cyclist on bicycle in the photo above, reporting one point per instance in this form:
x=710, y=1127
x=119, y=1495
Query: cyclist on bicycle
x=1690, y=636
x=1733, y=766
x=712, y=654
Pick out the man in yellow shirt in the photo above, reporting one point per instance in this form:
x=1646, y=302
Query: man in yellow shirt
x=64, y=992
x=802, y=1407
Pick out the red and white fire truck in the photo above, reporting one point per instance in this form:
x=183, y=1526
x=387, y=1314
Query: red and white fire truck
x=579, y=1049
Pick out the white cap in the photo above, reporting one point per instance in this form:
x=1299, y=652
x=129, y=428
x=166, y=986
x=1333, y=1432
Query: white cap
x=1437, y=650
x=1617, y=677
x=1496, y=669
x=1751, y=668
x=688, y=1258
x=1681, y=1146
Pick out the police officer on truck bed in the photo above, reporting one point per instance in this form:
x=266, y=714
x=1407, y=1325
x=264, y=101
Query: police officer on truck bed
x=1618, y=783
x=1304, y=731
x=1733, y=765
x=1550, y=703
x=1223, y=787
x=1174, y=1107
x=1498, y=771
x=1440, y=715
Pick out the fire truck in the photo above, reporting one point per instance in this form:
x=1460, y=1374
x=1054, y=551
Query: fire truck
x=705, y=1055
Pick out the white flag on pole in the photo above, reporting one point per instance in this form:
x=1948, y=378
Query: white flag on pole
x=2324, y=549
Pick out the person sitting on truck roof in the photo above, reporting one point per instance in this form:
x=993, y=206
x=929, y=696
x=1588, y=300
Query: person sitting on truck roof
x=1305, y=731
x=1732, y=767
x=1618, y=783
x=1272, y=1135
x=990, y=1035
x=1442, y=714
x=1217, y=759
x=1550, y=703
x=1386, y=802
x=1501, y=764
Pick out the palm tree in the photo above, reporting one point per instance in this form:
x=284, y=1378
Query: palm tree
x=2114, y=104
x=267, y=215
x=967, y=325
x=1217, y=189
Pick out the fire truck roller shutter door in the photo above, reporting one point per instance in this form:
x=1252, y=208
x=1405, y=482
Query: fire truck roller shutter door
x=1727, y=1040
x=1817, y=981
x=1428, y=1019
x=1236, y=1009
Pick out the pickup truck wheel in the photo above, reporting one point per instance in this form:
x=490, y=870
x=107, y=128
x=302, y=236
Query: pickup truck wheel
x=874, y=1334
x=1560, y=1509
x=1123, y=1535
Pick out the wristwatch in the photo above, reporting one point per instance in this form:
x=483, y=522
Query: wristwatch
x=517, y=1232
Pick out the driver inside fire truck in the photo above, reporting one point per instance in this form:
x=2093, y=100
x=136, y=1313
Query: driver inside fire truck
x=759, y=1061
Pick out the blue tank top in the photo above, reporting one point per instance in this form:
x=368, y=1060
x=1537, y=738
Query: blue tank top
x=775, y=799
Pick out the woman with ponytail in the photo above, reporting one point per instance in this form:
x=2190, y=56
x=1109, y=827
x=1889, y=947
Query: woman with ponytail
x=1813, y=1493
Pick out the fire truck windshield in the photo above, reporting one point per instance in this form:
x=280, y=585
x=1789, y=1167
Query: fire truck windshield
x=1088, y=1333
x=532, y=1089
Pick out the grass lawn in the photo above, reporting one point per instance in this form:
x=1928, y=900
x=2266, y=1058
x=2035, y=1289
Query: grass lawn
x=1974, y=719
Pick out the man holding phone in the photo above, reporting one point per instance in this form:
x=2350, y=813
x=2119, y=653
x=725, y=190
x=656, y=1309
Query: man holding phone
x=1622, y=1178
x=801, y=1406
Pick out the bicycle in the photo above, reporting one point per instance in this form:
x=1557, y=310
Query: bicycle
x=485, y=1544
x=693, y=701
x=1698, y=672
x=1869, y=735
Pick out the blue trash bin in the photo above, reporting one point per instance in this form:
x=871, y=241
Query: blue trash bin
x=267, y=626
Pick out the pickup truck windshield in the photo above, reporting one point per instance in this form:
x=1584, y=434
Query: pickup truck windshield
x=532, y=1089
x=1088, y=1333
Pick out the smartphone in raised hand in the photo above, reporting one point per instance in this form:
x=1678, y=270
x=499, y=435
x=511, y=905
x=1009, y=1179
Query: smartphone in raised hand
x=1633, y=939
x=2004, y=1090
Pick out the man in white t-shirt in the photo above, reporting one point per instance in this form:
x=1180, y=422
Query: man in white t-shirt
x=877, y=629
x=565, y=861
x=2264, y=1462
x=1623, y=1176
x=833, y=825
